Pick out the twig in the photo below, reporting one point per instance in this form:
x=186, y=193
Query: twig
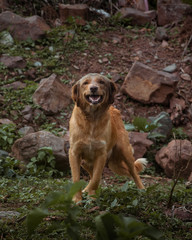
x=185, y=49
x=176, y=178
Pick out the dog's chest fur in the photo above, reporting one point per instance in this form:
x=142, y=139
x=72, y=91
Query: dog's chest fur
x=89, y=141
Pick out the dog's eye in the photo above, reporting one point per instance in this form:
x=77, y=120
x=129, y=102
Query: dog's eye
x=101, y=82
x=85, y=83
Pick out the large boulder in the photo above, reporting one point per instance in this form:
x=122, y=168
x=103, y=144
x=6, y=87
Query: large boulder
x=148, y=85
x=136, y=16
x=27, y=147
x=140, y=143
x=52, y=95
x=176, y=158
x=73, y=10
x=171, y=11
x=22, y=28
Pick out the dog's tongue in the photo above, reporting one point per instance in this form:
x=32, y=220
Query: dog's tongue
x=94, y=99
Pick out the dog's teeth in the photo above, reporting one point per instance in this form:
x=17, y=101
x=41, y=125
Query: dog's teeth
x=94, y=98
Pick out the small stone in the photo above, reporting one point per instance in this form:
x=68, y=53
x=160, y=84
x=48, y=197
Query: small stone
x=37, y=64
x=171, y=68
x=105, y=60
x=161, y=34
x=151, y=44
x=6, y=39
x=51, y=49
x=6, y=121
x=26, y=130
x=185, y=76
x=15, y=85
x=164, y=44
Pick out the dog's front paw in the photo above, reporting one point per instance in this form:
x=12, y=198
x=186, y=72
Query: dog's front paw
x=77, y=198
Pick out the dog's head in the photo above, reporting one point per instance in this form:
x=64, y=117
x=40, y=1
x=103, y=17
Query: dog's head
x=93, y=90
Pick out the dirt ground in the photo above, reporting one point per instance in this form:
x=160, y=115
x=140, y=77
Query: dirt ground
x=117, y=52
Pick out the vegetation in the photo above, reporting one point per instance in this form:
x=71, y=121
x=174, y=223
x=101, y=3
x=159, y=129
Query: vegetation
x=39, y=193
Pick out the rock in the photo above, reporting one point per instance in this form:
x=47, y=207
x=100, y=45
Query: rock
x=171, y=11
x=6, y=39
x=185, y=76
x=177, y=106
x=176, y=158
x=165, y=125
x=27, y=147
x=3, y=154
x=52, y=95
x=37, y=64
x=15, y=85
x=142, y=5
x=147, y=85
x=26, y=130
x=6, y=121
x=39, y=22
x=13, y=62
x=21, y=28
x=136, y=16
x=161, y=34
x=140, y=143
x=27, y=109
x=164, y=44
x=171, y=68
x=27, y=113
x=79, y=11
x=9, y=214
x=3, y=4
x=122, y=3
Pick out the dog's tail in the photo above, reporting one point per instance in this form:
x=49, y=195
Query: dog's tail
x=140, y=164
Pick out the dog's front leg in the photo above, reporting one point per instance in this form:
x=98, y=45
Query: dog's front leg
x=75, y=162
x=98, y=167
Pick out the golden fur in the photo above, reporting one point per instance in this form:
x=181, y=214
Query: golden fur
x=97, y=134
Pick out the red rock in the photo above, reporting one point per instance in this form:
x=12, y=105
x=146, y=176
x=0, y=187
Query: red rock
x=27, y=147
x=3, y=4
x=176, y=157
x=140, y=143
x=13, y=61
x=147, y=85
x=21, y=28
x=76, y=10
x=171, y=11
x=52, y=95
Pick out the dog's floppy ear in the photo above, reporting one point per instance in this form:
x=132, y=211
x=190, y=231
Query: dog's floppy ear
x=112, y=91
x=75, y=93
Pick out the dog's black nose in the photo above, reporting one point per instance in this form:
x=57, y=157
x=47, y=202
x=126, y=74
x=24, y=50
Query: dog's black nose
x=93, y=89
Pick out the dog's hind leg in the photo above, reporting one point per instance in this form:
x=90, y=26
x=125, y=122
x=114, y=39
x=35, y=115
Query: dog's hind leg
x=123, y=163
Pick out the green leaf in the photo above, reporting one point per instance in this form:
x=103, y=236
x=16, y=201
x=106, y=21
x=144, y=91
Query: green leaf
x=114, y=203
x=135, y=202
x=35, y=218
x=125, y=187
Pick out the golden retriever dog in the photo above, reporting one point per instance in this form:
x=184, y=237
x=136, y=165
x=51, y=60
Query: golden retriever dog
x=98, y=136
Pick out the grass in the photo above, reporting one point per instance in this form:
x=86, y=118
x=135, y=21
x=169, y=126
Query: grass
x=148, y=206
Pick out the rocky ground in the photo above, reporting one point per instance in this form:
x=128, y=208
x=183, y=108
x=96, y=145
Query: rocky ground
x=154, y=62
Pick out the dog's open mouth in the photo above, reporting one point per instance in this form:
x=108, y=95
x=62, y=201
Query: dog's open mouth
x=94, y=99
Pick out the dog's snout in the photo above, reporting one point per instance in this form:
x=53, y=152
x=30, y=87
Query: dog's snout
x=93, y=89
